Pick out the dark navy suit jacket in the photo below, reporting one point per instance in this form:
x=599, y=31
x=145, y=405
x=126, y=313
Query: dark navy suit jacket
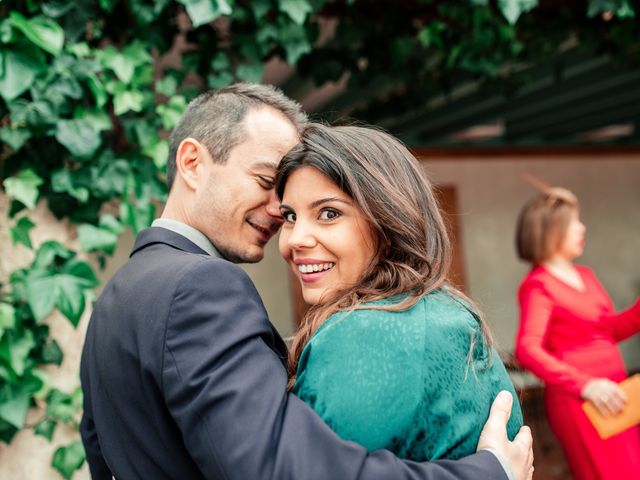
x=183, y=378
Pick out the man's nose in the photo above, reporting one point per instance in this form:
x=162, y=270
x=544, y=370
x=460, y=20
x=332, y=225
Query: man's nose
x=273, y=207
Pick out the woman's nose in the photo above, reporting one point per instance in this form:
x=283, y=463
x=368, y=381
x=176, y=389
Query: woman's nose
x=301, y=236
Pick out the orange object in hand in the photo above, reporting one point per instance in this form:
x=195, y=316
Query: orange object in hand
x=630, y=415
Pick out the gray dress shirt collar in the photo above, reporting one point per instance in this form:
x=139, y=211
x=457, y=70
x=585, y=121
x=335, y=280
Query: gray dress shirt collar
x=190, y=233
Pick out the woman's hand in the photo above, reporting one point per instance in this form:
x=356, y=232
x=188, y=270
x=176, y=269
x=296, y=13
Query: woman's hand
x=606, y=395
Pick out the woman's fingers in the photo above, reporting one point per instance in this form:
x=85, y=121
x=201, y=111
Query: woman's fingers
x=610, y=399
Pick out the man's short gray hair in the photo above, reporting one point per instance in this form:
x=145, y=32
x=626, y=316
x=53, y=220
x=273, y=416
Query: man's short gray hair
x=213, y=118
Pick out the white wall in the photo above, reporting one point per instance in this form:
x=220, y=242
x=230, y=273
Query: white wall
x=491, y=192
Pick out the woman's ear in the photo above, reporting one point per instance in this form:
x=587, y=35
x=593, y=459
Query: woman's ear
x=189, y=158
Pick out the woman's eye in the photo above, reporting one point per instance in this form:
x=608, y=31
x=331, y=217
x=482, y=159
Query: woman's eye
x=289, y=217
x=329, y=214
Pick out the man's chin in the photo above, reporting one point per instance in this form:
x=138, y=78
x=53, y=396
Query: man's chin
x=253, y=255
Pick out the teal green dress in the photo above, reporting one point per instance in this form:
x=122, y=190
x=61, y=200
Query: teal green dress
x=407, y=381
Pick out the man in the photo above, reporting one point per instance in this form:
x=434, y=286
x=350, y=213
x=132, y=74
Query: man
x=182, y=373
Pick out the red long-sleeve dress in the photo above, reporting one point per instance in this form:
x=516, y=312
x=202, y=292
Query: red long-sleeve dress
x=567, y=337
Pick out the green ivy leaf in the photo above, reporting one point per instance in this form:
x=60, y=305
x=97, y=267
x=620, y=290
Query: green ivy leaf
x=71, y=285
x=512, y=9
x=97, y=118
x=82, y=273
x=78, y=137
x=202, y=12
x=250, y=72
x=294, y=41
x=120, y=64
x=43, y=380
x=24, y=187
x=70, y=301
x=19, y=70
x=167, y=86
x=46, y=428
x=94, y=238
x=57, y=283
x=111, y=178
x=159, y=153
x=79, y=49
x=171, y=112
x=98, y=90
x=111, y=223
x=67, y=460
x=14, y=137
x=260, y=8
x=7, y=431
x=16, y=350
x=432, y=35
x=220, y=62
x=40, y=30
x=60, y=406
x=20, y=232
x=41, y=292
x=137, y=216
x=296, y=9
x=7, y=318
x=47, y=253
x=35, y=115
x=14, y=404
x=220, y=80
x=62, y=182
x=51, y=353
x=127, y=101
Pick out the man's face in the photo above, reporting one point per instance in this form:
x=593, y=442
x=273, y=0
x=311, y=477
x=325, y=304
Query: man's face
x=238, y=209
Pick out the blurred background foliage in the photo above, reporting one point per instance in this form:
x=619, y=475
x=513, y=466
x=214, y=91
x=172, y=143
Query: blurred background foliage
x=90, y=89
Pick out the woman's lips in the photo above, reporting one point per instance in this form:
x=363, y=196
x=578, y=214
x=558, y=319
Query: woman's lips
x=312, y=270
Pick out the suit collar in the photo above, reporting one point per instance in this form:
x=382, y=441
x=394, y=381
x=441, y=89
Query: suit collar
x=153, y=235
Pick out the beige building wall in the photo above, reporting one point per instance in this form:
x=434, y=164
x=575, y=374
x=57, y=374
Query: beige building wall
x=491, y=193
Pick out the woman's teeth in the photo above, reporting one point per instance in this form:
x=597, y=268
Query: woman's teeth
x=315, y=267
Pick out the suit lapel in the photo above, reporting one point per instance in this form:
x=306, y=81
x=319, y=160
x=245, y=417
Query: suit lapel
x=158, y=235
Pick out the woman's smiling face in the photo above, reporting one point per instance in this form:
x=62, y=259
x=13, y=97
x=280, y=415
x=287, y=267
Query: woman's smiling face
x=325, y=237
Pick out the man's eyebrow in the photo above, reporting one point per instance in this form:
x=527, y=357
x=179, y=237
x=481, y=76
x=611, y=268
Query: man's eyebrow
x=265, y=164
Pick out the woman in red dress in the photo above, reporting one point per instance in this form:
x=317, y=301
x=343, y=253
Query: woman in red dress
x=567, y=338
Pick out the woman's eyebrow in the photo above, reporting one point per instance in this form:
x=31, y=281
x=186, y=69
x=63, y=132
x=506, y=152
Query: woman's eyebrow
x=321, y=201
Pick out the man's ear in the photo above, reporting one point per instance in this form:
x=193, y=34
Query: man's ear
x=189, y=161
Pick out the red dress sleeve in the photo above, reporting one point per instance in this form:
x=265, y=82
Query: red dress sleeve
x=621, y=325
x=624, y=324
x=535, y=314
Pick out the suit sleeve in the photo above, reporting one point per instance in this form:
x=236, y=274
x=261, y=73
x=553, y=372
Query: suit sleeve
x=530, y=351
x=97, y=465
x=225, y=388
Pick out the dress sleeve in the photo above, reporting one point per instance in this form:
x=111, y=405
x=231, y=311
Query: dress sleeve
x=624, y=324
x=362, y=373
x=535, y=314
x=621, y=325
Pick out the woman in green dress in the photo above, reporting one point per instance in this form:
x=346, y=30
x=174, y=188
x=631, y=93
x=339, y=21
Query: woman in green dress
x=389, y=354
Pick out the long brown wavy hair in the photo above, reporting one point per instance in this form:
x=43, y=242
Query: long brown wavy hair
x=386, y=182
